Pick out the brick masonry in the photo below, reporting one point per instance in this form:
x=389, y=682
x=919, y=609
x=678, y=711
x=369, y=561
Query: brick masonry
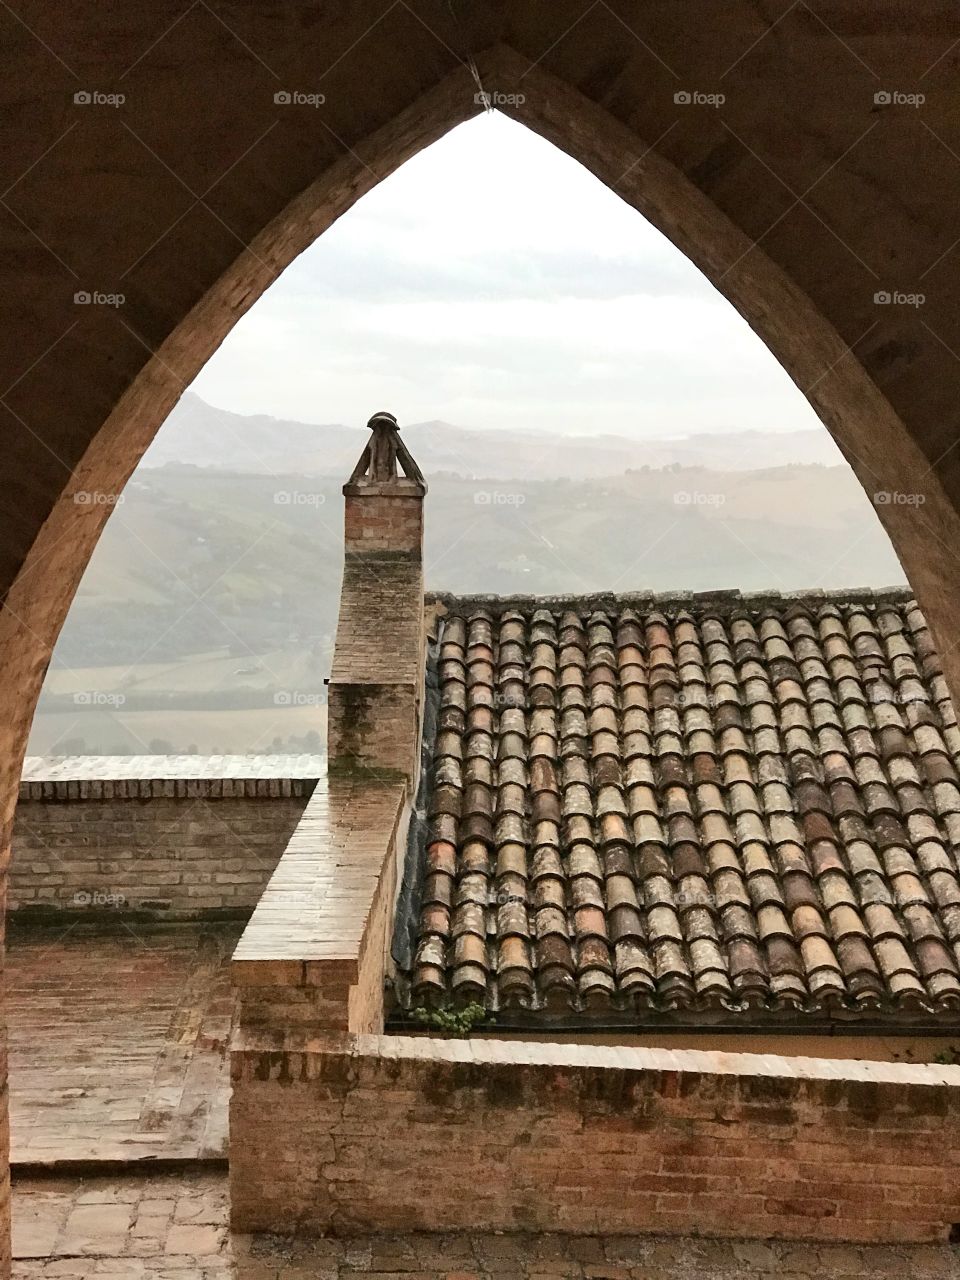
x=373, y=713
x=380, y=622
x=315, y=951
x=388, y=1133
x=163, y=848
x=336, y=1127
x=383, y=517
x=372, y=729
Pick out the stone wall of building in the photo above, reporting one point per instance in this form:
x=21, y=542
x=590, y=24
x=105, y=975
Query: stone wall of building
x=148, y=845
x=392, y=1133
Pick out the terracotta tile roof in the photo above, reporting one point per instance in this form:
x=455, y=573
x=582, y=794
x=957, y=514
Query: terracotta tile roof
x=738, y=806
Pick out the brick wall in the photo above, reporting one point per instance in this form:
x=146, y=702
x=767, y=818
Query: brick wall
x=161, y=848
x=408, y=1133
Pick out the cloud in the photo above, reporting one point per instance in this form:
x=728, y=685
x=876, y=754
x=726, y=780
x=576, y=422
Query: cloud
x=353, y=274
x=493, y=281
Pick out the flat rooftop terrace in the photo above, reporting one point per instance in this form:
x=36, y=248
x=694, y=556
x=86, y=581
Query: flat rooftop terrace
x=118, y=1043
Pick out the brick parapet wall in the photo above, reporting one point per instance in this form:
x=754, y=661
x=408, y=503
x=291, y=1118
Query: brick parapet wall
x=410, y=1133
x=93, y=789
x=315, y=951
x=160, y=848
x=261, y=772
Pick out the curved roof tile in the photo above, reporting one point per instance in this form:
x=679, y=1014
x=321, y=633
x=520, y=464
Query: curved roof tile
x=743, y=806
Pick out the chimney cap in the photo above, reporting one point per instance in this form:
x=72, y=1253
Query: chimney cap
x=382, y=418
x=384, y=458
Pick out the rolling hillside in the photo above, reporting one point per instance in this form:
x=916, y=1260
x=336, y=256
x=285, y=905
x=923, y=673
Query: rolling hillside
x=206, y=617
x=204, y=436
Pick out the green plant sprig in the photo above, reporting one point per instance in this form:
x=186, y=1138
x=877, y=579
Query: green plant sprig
x=451, y=1020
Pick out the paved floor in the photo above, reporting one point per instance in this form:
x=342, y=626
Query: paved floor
x=118, y=1043
x=174, y=1227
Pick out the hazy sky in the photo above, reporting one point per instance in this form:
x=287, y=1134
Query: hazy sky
x=492, y=281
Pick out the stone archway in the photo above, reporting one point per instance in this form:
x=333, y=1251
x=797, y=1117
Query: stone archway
x=198, y=233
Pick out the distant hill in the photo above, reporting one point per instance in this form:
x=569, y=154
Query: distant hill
x=200, y=435
x=207, y=614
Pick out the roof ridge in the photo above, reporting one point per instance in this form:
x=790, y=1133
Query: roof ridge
x=667, y=600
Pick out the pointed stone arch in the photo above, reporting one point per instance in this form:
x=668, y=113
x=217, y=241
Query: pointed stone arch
x=823, y=364
x=117, y=401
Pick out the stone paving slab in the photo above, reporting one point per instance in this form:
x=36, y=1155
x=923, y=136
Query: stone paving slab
x=118, y=1042
x=174, y=1227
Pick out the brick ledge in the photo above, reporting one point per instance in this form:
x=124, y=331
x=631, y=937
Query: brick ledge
x=93, y=778
x=521, y=1053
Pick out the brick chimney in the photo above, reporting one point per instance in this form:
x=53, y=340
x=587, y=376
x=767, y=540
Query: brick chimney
x=376, y=682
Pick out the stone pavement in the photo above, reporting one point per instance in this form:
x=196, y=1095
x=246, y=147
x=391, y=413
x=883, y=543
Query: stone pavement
x=174, y=1227
x=118, y=1042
